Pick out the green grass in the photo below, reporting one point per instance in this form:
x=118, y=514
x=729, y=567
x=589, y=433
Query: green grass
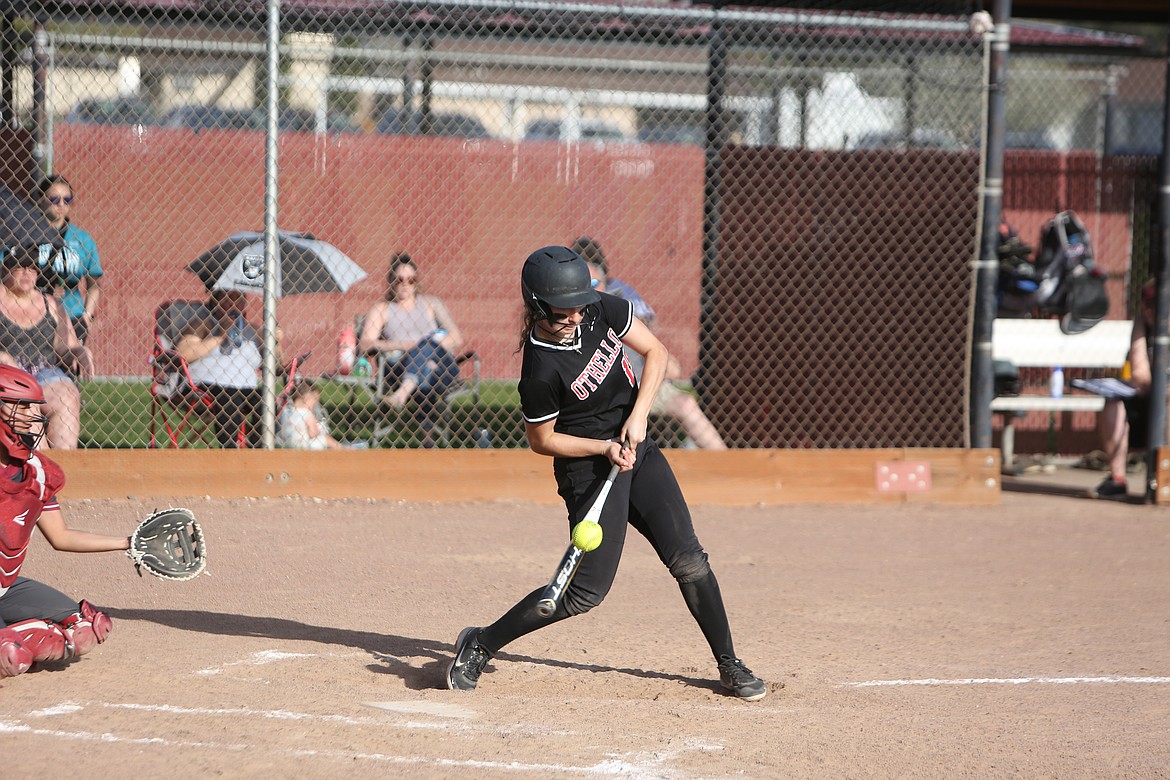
x=354, y=417
x=116, y=414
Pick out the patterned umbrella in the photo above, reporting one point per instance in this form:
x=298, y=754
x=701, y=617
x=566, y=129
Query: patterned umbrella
x=303, y=265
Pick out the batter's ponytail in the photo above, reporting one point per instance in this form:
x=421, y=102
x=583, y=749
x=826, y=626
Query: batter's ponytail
x=529, y=318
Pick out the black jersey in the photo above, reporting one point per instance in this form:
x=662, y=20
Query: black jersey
x=588, y=386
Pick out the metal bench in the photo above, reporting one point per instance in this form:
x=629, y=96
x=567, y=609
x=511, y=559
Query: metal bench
x=1041, y=343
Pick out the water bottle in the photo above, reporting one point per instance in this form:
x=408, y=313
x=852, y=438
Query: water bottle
x=346, y=350
x=483, y=439
x=1056, y=383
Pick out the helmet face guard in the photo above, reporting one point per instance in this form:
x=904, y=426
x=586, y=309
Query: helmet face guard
x=21, y=428
x=556, y=277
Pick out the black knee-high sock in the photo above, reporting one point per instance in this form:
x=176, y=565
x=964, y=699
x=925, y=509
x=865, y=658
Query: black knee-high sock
x=519, y=620
x=706, y=605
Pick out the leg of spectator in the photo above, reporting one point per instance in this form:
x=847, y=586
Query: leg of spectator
x=413, y=365
x=229, y=415
x=405, y=390
x=63, y=408
x=1114, y=429
x=251, y=405
x=684, y=408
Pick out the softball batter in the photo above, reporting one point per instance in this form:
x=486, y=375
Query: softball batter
x=581, y=401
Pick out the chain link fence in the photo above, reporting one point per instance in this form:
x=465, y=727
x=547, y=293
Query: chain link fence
x=793, y=194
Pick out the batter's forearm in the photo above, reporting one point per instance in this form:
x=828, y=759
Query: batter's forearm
x=562, y=445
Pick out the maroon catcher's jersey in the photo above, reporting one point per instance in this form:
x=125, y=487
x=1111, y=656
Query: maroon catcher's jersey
x=587, y=386
x=25, y=492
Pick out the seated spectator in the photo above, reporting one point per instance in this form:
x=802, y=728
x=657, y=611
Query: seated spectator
x=36, y=336
x=419, y=338
x=223, y=355
x=76, y=267
x=302, y=425
x=671, y=401
x=1123, y=423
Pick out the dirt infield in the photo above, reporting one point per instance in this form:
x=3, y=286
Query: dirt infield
x=1029, y=639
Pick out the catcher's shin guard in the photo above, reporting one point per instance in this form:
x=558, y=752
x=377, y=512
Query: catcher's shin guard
x=15, y=658
x=86, y=629
x=44, y=640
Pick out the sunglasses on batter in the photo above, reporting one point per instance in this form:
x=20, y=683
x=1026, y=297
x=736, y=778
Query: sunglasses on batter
x=57, y=200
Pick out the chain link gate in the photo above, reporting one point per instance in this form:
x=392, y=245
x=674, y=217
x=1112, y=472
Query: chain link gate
x=793, y=193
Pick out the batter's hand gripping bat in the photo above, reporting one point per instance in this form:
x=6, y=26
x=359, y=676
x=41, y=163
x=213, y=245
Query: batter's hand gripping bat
x=572, y=557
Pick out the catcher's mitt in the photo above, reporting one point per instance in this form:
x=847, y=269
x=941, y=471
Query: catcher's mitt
x=169, y=544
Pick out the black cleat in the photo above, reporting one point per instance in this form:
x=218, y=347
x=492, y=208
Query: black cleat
x=738, y=679
x=470, y=659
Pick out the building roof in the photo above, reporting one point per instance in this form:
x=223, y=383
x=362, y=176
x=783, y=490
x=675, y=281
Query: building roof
x=846, y=21
x=1149, y=11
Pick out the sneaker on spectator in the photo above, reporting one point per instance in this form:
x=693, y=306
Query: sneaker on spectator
x=1110, y=488
x=738, y=679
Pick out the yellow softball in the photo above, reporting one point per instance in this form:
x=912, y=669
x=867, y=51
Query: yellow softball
x=586, y=536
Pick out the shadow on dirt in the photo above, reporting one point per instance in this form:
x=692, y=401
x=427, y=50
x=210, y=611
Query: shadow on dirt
x=393, y=653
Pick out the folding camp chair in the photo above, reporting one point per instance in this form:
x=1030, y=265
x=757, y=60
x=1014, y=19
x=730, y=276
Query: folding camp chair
x=183, y=410
x=178, y=407
x=443, y=435
x=389, y=422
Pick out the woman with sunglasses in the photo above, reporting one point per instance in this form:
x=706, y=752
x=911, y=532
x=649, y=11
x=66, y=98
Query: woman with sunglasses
x=77, y=264
x=419, y=338
x=583, y=406
x=36, y=336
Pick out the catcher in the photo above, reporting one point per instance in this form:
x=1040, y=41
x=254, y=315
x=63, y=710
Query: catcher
x=37, y=622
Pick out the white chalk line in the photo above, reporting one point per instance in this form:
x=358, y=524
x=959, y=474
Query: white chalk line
x=64, y=708
x=437, y=709
x=406, y=708
x=88, y=736
x=247, y=712
x=256, y=659
x=643, y=764
x=1015, y=681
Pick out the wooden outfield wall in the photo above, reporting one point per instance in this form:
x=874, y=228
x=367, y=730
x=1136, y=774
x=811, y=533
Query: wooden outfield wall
x=731, y=478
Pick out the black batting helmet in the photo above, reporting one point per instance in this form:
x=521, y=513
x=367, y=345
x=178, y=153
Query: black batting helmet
x=556, y=276
x=18, y=387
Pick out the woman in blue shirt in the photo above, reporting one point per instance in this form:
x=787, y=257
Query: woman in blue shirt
x=75, y=265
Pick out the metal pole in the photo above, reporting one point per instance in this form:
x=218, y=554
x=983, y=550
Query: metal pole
x=715, y=140
x=911, y=87
x=1161, y=362
x=426, y=77
x=409, y=115
x=8, y=58
x=987, y=267
x=40, y=77
x=271, y=247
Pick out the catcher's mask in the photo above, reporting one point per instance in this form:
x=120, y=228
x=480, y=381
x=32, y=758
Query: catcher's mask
x=21, y=428
x=556, y=276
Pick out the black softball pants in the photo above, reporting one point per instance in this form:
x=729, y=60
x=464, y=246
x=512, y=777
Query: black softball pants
x=648, y=499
